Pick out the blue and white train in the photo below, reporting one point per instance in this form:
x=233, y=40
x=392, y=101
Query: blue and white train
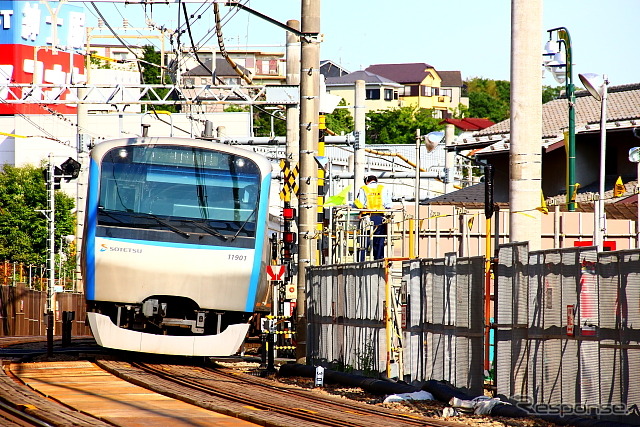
x=175, y=245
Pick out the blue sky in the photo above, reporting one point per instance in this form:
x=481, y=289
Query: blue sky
x=467, y=35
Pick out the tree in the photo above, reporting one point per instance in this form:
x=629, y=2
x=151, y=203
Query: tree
x=23, y=230
x=399, y=125
x=550, y=93
x=266, y=119
x=483, y=105
x=489, y=98
x=341, y=120
x=151, y=74
x=151, y=71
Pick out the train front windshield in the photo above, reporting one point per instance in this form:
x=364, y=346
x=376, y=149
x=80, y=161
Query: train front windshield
x=181, y=189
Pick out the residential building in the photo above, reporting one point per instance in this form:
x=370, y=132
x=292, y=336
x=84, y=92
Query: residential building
x=452, y=80
x=623, y=116
x=422, y=86
x=202, y=75
x=114, y=56
x=266, y=68
x=380, y=93
x=262, y=67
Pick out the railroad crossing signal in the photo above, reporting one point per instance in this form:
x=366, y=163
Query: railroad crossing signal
x=289, y=178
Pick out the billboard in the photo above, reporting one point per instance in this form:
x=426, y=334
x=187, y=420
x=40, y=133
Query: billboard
x=28, y=54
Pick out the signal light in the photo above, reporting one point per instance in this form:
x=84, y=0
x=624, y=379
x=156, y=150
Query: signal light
x=288, y=213
x=289, y=237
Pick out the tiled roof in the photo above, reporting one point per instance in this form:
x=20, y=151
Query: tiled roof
x=450, y=78
x=402, y=73
x=368, y=77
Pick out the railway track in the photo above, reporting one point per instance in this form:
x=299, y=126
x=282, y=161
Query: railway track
x=259, y=400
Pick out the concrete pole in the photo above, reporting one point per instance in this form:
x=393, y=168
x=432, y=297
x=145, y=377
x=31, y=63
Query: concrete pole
x=83, y=143
x=526, y=122
x=449, y=157
x=308, y=176
x=293, y=78
x=359, y=158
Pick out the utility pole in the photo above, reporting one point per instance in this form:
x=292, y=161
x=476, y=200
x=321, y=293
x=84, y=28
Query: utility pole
x=359, y=159
x=293, y=78
x=526, y=122
x=51, y=252
x=449, y=158
x=308, y=177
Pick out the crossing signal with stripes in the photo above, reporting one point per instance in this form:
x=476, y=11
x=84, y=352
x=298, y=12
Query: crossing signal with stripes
x=289, y=180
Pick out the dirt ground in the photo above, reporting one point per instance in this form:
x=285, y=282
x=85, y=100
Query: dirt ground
x=429, y=408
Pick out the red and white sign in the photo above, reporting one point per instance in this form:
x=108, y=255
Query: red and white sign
x=276, y=272
x=570, y=320
x=290, y=292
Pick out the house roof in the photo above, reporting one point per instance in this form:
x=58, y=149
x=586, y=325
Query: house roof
x=369, y=78
x=469, y=124
x=623, y=110
x=329, y=68
x=222, y=69
x=450, y=78
x=469, y=197
x=402, y=73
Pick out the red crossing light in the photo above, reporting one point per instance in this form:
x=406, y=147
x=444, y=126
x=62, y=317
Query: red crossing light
x=289, y=237
x=289, y=213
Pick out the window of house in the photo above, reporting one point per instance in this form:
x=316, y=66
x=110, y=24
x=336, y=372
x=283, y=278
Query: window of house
x=395, y=94
x=446, y=92
x=266, y=67
x=273, y=67
x=372, y=93
x=189, y=81
x=388, y=94
x=204, y=81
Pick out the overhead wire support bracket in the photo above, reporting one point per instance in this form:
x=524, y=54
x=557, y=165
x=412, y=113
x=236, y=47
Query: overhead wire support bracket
x=271, y=20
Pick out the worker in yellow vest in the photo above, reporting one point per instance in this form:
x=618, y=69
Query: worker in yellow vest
x=375, y=198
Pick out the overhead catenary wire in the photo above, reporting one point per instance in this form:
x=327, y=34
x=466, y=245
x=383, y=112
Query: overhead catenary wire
x=223, y=50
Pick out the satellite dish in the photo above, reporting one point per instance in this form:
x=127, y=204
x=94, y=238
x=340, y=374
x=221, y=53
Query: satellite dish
x=634, y=155
x=432, y=139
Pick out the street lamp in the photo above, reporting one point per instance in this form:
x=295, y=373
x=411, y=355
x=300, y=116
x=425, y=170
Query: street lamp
x=560, y=65
x=597, y=86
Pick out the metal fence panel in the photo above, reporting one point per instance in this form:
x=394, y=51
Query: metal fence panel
x=345, y=316
x=581, y=345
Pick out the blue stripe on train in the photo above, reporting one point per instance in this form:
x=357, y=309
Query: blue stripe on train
x=90, y=231
x=261, y=229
